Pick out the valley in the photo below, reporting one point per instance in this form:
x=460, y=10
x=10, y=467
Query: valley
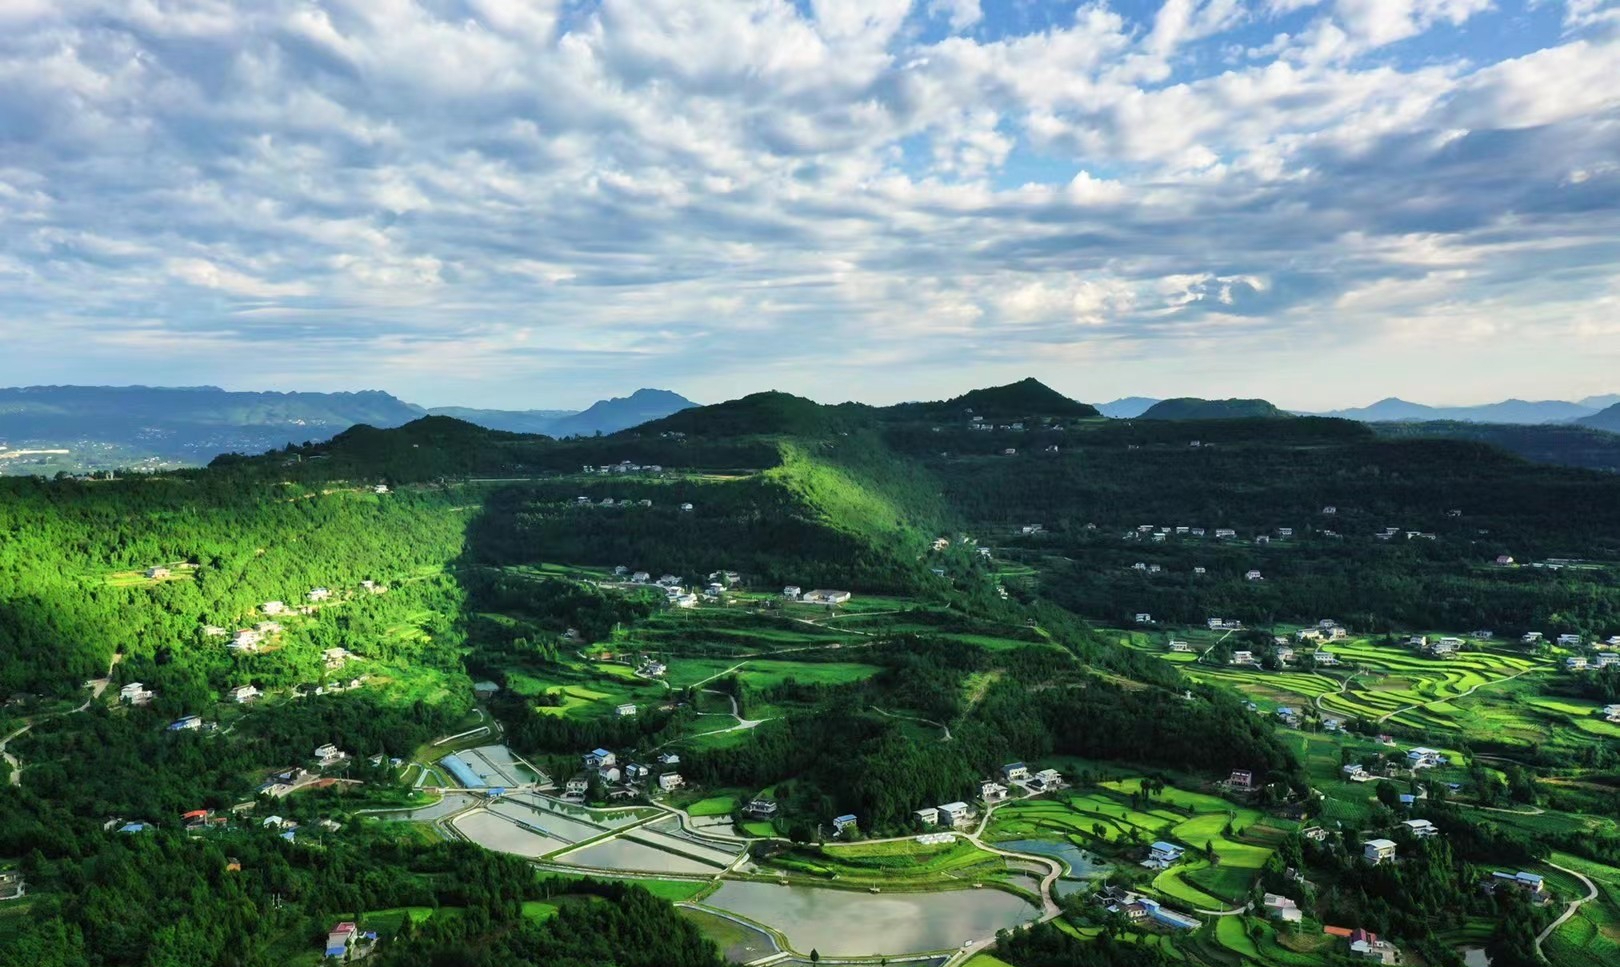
x=817, y=682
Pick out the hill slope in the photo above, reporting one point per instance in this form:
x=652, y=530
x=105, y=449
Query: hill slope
x=769, y=413
x=1608, y=419
x=1192, y=408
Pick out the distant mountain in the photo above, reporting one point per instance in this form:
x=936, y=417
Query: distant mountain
x=1191, y=408
x=1127, y=407
x=513, y=421
x=102, y=427
x=621, y=413
x=1608, y=419
x=761, y=413
x=1507, y=411
x=1602, y=402
x=603, y=416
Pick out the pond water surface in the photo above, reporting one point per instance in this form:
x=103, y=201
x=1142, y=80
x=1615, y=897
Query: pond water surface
x=851, y=923
x=498, y=833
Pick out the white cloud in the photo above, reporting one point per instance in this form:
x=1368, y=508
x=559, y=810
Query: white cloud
x=661, y=190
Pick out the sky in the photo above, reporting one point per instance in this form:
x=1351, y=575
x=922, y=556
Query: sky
x=528, y=204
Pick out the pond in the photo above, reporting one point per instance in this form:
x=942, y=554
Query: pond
x=624, y=854
x=850, y=923
x=712, y=854
x=451, y=803
x=501, y=834
x=555, y=825
x=1080, y=864
x=611, y=818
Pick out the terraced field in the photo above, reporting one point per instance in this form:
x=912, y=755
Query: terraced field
x=1471, y=692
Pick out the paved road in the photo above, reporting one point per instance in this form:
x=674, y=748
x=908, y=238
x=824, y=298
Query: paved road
x=1574, y=905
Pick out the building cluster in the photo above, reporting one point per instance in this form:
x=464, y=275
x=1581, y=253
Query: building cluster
x=622, y=467
x=624, y=780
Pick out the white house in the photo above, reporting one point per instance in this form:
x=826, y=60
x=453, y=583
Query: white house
x=1423, y=757
x=825, y=596
x=1421, y=828
x=640, y=577
x=597, y=758
x=1014, y=771
x=686, y=508
x=244, y=693
x=1049, y=778
x=1253, y=576
x=190, y=723
x=1356, y=772
x=1225, y=532
x=929, y=816
x=1377, y=851
x=1143, y=618
x=670, y=780
x=1282, y=908
x=318, y=594
x=1325, y=657
x=991, y=791
x=1179, y=645
x=273, y=607
x=841, y=823
x=1569, y=640
x=135, y=694
x=576, y=786
x=953, y=813
x=684, y=601
x=1162, y=855
x=1612, y=713
x=1242, y=658
x=792, y=591
x=628, y=708
x=1575, y=663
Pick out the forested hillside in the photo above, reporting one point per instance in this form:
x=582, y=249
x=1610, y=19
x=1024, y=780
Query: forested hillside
x=984, y=559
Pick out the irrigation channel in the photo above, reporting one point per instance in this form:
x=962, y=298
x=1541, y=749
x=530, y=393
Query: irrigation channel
x=776, y=917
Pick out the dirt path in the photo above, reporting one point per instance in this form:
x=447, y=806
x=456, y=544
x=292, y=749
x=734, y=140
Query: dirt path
x=1452, y=698
x=1574, y=905
x=1344, y=686
x=945, y=729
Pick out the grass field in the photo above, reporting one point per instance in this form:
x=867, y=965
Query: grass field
x=713, y=806
x=889, y=862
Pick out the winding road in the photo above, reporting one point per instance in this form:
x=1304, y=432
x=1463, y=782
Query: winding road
x=96, y=686
x=1574, y=905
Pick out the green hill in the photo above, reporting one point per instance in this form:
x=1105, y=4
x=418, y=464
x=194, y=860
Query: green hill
x=769, y=414
x=1193, y=408
x=1026, y=398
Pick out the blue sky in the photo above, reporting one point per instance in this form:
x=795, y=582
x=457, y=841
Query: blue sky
x=522, y=203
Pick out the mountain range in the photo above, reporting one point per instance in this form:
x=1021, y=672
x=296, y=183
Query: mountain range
x=49, y=429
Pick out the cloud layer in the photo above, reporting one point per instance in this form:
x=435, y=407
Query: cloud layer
x=516, y=203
